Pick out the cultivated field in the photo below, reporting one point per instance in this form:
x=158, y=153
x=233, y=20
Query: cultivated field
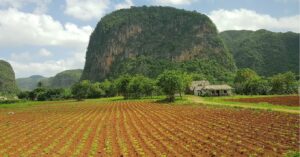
x=132, y=128
x=278, y=100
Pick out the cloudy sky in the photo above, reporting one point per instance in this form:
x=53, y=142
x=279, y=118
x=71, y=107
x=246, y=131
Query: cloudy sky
x=45, y=37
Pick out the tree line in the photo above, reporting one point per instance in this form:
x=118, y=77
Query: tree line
x=169, y=83
x=248, y=82
x=130, y=87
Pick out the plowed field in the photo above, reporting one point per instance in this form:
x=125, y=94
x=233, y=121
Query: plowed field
x=144, y=129
x=280, y=100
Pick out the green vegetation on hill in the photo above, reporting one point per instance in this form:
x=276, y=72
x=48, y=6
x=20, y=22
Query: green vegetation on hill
x=30, y=83
x=265, y=52
x=7, y=79
x=149, y=40
x=148, y=66
x=65, y=79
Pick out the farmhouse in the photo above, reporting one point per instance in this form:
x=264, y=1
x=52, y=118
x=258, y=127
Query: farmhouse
x=204, y=88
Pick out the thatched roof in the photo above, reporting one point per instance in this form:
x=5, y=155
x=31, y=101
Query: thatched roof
x=200, y=85
x=217, y=87
x=196, y=84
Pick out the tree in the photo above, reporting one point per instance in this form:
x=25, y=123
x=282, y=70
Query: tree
x=140, y=86
x=135, y=87
x=148, y=86
x=284, y=83
x=243, y=75
x=109, y=88
x=39, y=94
x=24, y=95
x=95, y=90
x=81, y=89
x=245, y=81
x=40, y=84
x=67, y=94
x=171, y=82
x=257, y=86
x=122, y=85
x=186, y=81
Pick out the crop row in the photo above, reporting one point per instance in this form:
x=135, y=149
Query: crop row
x=145, y=129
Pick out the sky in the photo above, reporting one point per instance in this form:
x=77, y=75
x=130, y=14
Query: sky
x=44, y=37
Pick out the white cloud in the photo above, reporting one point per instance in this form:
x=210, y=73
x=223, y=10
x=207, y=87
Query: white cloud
x=40, y=6
x=27, y=67
x=21, y=57
x=125, y=4
x=174, y=2
x=26, y=57
x=286, y=1
x=243, y=19
x=44, y=53
x=18, y=29
x=86, y=9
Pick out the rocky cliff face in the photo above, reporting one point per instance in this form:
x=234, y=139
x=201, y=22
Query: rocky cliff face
x=7, y=79
x=148, y=40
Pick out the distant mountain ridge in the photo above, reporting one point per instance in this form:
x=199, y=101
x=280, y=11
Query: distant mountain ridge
x=63, y=79
x=265, y=52
x=30, y=83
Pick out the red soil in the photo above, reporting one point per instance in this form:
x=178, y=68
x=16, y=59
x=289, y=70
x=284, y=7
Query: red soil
x=280, y=100
x=145, y=129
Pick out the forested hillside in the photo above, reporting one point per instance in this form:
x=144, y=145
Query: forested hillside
x=7, y=79
x=265, y=52
x=149, y=40
x=29, y=83
x=63, y=79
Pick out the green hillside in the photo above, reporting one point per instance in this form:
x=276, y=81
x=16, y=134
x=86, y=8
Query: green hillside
x=7, y=79
x=30, y=83
x=149, y=40
x=266, y=52
x=65, y=79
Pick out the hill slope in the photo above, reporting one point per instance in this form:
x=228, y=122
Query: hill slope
x=266, y=52
x=148, y=40
x=30, y=83
x=63, y=79
x=7, y=79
